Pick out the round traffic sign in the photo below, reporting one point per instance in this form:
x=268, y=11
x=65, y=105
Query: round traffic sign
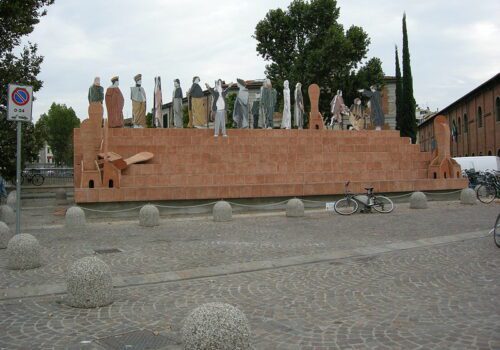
x=20, y=96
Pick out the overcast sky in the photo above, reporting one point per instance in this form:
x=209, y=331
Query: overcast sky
x=454, y=45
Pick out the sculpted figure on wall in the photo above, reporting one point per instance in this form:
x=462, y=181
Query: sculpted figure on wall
x=299, y=106
x=177, y=104
x=197, y=111
x=267, y=105
x=376, y=114
x=96, y=91
x=114, y=104
x=219, y=106
x=286, y=121
x=138, y=97
x=240, y=111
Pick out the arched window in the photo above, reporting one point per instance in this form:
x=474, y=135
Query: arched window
x=497, y=108
x=479, y=117
x=459, y=126
x=489, y=152
x=466, y=123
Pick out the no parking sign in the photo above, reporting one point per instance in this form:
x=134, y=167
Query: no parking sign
x=19, y=103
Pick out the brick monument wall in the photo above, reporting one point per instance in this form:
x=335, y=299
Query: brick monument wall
x=192, y=164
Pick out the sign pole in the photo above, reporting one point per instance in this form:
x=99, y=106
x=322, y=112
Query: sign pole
x=18, y=180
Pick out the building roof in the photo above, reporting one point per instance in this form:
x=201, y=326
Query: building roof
x=495, y=78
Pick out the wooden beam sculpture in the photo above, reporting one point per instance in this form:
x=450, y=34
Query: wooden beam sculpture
x=442, y=165
x=315, y=118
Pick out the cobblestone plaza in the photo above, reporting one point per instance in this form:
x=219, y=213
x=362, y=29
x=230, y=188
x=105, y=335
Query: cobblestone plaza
x=412, y=279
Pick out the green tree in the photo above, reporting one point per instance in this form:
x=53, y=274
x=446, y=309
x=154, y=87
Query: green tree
x=399, y=92
x=60, y=122
x=408, y=104
x=306, y=44
x=149, y=120
x=230, y=99
x=17, y=19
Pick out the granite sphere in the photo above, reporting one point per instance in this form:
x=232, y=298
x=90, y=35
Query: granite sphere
x=7, y=214
x=75, y=218
x=216, y=326
x=468, y=196
x=149, y=216
x=24, y=252
x=418, y=200
x=5, y=235
x=222, y=211
x=89, y=283
x=294, y=208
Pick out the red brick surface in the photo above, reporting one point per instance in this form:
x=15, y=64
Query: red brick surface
x=192, y=164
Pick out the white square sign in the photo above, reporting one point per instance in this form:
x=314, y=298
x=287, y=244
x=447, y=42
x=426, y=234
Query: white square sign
x=19, y=103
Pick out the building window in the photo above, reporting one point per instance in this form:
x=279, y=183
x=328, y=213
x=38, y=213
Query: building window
x=466, y=123
x=497, y=108
x=489, y=152
x=479, y=117
x=459, y=126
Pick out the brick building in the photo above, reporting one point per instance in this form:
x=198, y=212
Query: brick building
x=474, y=119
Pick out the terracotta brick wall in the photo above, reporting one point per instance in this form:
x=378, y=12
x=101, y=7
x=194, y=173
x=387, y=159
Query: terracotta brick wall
x=192, y=164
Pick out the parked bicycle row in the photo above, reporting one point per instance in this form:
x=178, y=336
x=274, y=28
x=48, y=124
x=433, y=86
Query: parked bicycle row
x=485, y=183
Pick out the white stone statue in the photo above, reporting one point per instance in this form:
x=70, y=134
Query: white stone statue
x=286, y=121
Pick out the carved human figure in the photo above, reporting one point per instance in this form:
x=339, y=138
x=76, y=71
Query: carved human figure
x=96, y=91
x=336, y=107
x=376, y=114
x=177, y=104
x=240, y=111
x=114, y=104
x=267, y=104
x=286, y=121
x=158, y=115
x=196, y=105
x=299, y=106
x=138, y=97
x=219, y=105
x=256, y=111
x=357, y=115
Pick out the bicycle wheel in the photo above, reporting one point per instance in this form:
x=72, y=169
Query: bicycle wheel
x=37, y=180
x=382, y=204
x=486, y=193
x=345, y=206
x=496, y=231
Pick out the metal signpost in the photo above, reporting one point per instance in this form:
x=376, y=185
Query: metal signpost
x=19, y=109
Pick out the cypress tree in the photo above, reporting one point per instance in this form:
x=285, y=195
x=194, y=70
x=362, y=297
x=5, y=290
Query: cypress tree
x=399, y=92
x=408, y=105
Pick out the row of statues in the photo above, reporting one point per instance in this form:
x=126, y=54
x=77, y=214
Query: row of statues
x=262, y=109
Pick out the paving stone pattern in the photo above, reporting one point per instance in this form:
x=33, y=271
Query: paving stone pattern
x=439, y=297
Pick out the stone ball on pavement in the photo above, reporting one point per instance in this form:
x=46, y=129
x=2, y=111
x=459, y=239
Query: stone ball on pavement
x=468, y=196
x=24, y=252
x=89, y=283
x=5, y=235
x=149, y=216
x=75, y=217
x=7, y=214
x=418, y=200
x=294, y=208
x=216, y=326
x=222, y=211
x=61, y=196
x=12, y=199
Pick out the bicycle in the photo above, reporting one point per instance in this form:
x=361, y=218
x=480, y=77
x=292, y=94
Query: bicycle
x=496, y=232
x=489, y=188
x=350, y=203
x=31, y=177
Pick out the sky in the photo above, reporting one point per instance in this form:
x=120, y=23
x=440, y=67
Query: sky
x=454, y=45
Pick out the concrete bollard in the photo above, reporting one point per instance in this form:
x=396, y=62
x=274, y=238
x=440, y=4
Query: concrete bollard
x=149, y=216
x=89, y=283
x=216, y=326
x=294, y=208
x=7, y=214
x=5, y=235
x=418, y=200
x=23, y=252
x=75, y=218
x=468, y=196
x=222, y=211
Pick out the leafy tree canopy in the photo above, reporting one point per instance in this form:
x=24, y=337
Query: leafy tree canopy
x=306, y=44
